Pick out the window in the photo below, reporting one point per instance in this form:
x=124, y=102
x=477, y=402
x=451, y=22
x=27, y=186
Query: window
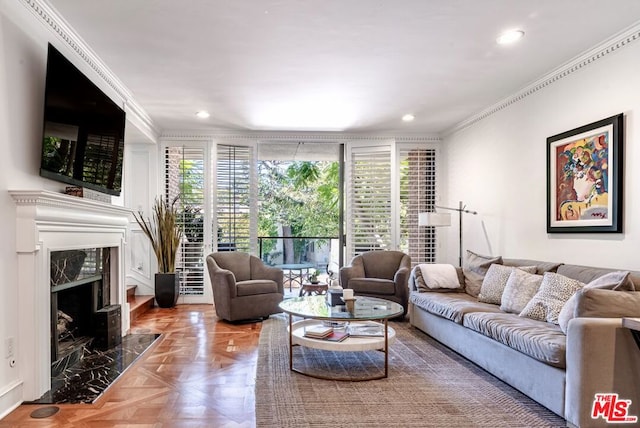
x=235, y=198
x=417, y=194
x=388, y=184
x=185, y=186
x=369, y=196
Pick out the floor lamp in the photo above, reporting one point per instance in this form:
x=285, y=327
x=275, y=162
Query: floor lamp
x=444, y=219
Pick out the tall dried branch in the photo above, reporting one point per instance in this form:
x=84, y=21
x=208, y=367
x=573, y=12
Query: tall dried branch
x=163, y=232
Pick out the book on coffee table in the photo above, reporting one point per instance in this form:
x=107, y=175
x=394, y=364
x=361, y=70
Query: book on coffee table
x=336, y=336
x=318, y=331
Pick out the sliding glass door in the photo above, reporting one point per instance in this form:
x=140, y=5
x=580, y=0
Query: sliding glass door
x=214, y=185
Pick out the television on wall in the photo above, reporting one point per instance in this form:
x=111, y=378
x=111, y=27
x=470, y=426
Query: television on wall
x=83, y=132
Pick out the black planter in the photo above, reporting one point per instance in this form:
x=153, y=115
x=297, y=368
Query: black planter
x=167, y=289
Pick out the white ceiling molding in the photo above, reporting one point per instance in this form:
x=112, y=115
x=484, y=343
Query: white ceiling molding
x=612, y=45
x=291, y=136
x=65, y=33
x=143, y=123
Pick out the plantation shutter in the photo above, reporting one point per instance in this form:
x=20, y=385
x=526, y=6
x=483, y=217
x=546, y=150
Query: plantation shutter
x=370, y=211
x=387, y=185
x=186, y=186
x=236, y=201
x=417, y=194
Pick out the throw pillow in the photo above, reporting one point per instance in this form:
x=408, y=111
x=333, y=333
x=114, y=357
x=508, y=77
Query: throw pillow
x=553, y=293
x=519, y=290
x=434, y=276
x=475, y=269
x=495, y=280
x=618, y=281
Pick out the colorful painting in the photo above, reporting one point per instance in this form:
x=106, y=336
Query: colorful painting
x=584, y=171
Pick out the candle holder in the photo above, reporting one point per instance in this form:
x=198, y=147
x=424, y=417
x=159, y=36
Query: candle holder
x=350, y=304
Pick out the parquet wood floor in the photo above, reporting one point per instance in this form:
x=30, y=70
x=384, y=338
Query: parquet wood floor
x=200, y=373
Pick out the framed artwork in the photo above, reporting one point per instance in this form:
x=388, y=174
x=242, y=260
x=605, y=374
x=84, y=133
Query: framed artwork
x=584, y=178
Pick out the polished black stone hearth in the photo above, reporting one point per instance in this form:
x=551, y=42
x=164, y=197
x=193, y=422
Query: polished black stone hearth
x=86, y=379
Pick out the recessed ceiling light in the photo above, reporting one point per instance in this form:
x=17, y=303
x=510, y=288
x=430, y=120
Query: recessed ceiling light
x=510, y=36
x=203, y=114
x=408, y=117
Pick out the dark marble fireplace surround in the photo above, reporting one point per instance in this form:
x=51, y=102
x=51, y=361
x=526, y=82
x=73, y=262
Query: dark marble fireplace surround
x=80, y=287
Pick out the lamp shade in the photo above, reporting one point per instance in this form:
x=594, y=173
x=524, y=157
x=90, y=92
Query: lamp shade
x=434, y=219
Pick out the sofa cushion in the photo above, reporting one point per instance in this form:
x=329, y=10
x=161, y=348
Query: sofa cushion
x=587, y=274
x=618, y=280
x=540, y=340
x=553, y=293
x=434, y=276
x=593, y=302
x=475, y=268
x=373, y=286
x=256, y=286
x=519, y=290
x=541, y=267
x=495, y=280
x=452, y=306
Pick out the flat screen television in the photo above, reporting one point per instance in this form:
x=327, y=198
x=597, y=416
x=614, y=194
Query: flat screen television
x=83, y=132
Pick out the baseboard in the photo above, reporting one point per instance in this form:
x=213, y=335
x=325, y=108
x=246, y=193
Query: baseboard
x=10, y=398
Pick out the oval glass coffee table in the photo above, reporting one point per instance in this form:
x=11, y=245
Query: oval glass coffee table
x=315, y=311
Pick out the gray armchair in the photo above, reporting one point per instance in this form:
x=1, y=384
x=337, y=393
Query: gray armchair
x=243, y=286
x=383, y=274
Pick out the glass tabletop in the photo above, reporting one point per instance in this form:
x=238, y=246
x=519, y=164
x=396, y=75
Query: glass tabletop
x=366, y=308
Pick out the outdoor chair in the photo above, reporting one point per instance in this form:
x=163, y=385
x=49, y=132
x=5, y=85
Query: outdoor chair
x=244, y=288
x=382, y=274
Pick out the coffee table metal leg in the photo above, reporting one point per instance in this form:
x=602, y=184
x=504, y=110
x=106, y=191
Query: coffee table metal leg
x=386, y=347
x=290, y=342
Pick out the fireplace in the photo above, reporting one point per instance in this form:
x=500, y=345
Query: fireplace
x=79, y=289
x=48, y=224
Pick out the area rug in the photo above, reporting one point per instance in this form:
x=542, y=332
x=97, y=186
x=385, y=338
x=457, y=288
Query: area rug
x=428, y=386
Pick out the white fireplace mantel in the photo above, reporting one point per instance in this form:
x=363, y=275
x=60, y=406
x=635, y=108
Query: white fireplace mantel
x=45, y=222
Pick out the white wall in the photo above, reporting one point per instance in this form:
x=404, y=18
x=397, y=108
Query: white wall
x=498, y=167
x=22, y=68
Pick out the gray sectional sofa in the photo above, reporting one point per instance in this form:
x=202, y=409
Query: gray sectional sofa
x=563, y=372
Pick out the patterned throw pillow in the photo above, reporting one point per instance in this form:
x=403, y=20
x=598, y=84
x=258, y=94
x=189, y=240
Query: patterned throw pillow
x=618, y=281
x=475, y=269
x=519, y=290
x=554, y=292
x=495, y=280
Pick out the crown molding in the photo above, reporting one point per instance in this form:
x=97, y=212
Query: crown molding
x=56, y=24
x=604, y=49
x=190, y=135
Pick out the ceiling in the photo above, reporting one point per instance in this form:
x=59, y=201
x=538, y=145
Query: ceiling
x=351, y=66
